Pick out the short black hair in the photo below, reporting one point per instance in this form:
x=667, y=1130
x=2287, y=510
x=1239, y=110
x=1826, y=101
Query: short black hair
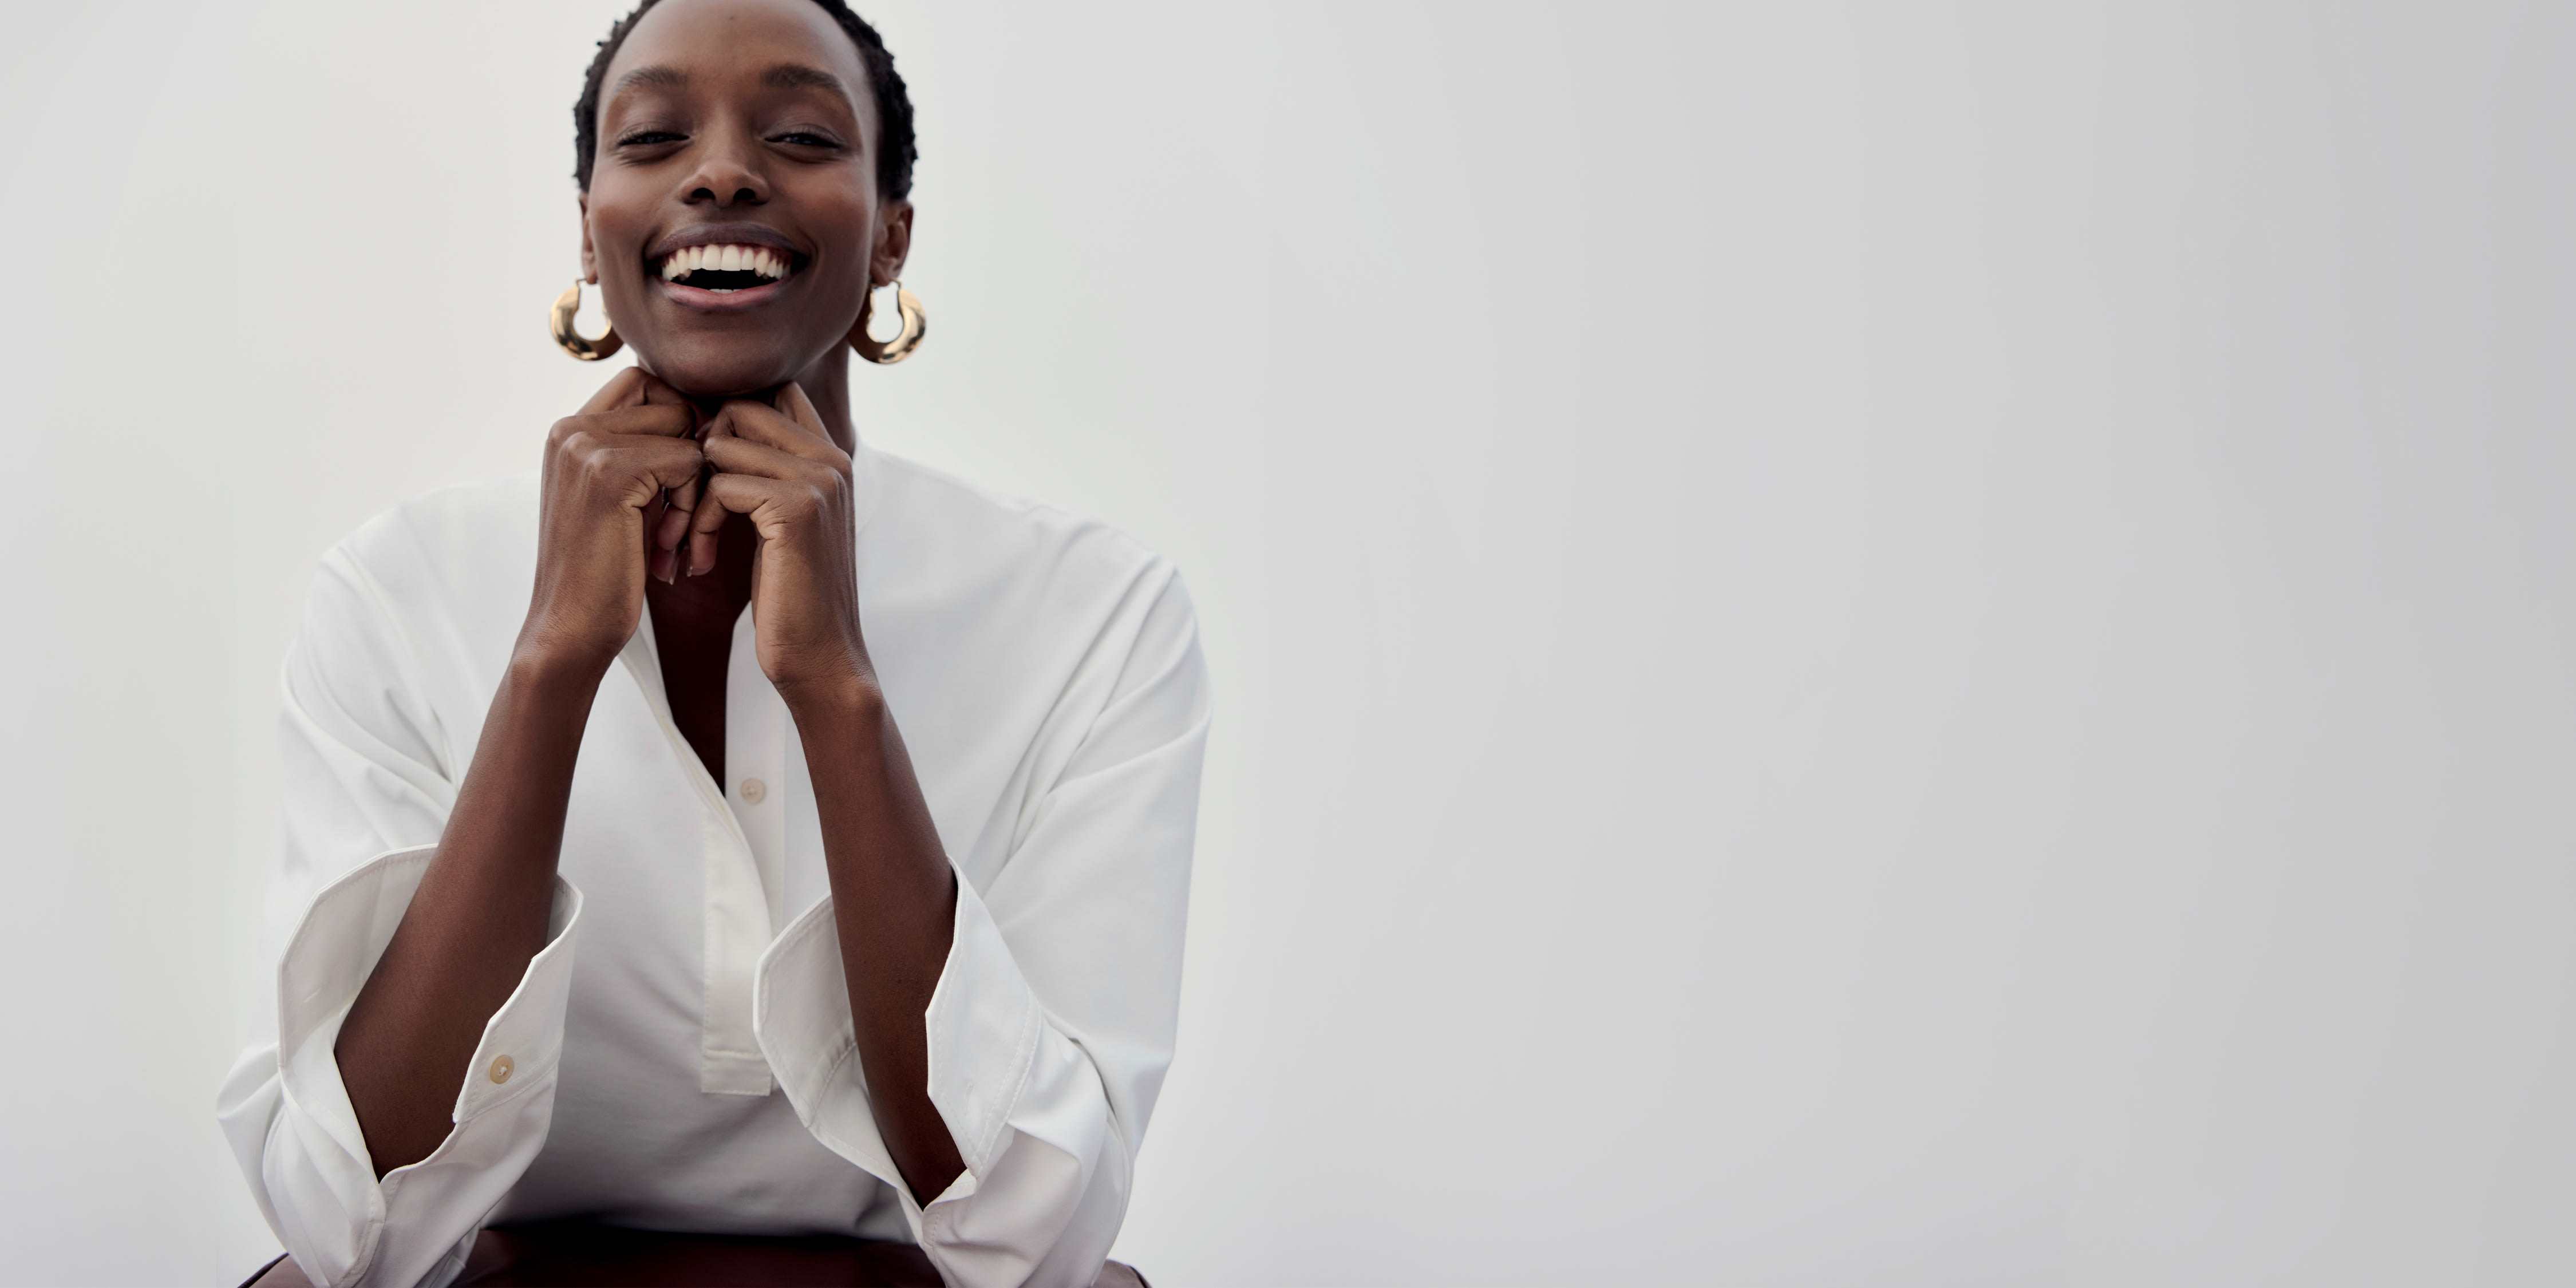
x=895, y=151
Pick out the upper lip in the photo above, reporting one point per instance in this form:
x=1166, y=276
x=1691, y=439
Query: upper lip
x=728, y=235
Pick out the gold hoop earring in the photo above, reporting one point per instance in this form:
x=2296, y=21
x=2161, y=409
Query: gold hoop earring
x=573, y=342
x=916, y=324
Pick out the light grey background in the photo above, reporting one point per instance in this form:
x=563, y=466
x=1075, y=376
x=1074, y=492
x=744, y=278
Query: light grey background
x=1856, y=643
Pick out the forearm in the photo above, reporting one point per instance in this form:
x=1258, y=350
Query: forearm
x=479, y=915
x=894, y=897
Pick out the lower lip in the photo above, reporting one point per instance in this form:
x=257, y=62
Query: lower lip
x=706, y=301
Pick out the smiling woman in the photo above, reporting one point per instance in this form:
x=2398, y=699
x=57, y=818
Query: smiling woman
x=631, y=903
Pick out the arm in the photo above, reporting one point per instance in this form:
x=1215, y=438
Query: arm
x=1052, y=987
x=894, y=898
x=1052, y=1024
x=894, y=893
x=477, y=918
x=481, y=909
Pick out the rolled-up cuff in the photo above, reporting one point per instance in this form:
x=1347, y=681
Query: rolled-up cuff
x=983, y=1027
x=343, y=1225
x=801, y=1017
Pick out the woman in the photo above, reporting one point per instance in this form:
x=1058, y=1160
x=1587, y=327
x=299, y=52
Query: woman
x=808, y=853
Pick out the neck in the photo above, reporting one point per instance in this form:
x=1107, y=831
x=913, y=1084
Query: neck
x=826, y=382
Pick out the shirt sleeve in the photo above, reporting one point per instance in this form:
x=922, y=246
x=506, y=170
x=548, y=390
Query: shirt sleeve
x=368, y=778
x=1052, y=1024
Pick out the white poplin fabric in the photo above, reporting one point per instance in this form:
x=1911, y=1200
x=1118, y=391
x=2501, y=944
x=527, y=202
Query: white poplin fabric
x=680, y=1055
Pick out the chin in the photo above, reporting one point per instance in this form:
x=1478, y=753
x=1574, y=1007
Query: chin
x=726, y=368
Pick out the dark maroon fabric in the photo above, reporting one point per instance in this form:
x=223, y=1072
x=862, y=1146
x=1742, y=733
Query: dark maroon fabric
x=577, y=1255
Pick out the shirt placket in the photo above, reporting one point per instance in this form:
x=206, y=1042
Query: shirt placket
x=739, y=917
x=756, y=728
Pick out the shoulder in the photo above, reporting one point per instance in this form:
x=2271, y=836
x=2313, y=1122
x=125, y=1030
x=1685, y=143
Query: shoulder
x=458, y=553
x=463, y=523
x=1009, y=604
x=964, y=542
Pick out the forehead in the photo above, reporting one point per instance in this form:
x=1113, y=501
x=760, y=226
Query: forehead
x=729, y=43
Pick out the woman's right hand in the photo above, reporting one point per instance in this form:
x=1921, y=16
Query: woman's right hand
x=619, y=479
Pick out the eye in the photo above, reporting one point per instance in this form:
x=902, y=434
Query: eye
x=806, y=139
x=647, y=138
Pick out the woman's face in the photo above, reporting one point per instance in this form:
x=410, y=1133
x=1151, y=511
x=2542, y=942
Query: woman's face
x=733, y=222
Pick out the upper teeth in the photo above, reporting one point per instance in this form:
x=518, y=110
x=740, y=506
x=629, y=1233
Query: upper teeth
x=724, y=259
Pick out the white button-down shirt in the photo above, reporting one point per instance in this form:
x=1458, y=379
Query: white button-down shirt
x=680, y=1055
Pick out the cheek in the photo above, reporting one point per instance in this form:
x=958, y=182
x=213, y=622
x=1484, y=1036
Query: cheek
x=848, y=222
x=615, y=236
x=616, y=248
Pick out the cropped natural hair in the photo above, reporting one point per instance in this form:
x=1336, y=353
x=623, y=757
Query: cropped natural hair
x=895, y=153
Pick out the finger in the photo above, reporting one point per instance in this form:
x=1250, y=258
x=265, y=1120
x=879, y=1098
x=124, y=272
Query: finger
x=759, y=423
x=682, y=501
x=698, y=556
x=718, y=424
x=662, y=465
x=704, y=524
x=799, y=408
x=659, y=393
x=745, y=494
x=697, y=533
x=625, y=389
x=760, y=460
x=671, y=522
x=634, y=467
x=747, y=475
x=664, y=421
x=660, y=561
x=669, y=420
x=674, y=534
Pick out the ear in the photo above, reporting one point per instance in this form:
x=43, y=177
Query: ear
x=894, y=243
x=589, y=255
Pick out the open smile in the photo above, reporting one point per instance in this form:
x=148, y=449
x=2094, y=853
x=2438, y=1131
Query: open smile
x=724, y=269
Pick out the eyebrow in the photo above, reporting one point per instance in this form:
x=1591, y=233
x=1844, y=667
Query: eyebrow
x=782, y=76
x=800, y=76
x=657, y=75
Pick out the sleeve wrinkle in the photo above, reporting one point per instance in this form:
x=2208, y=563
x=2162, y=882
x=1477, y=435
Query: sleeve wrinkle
x=1161, y=668
x=410, y=688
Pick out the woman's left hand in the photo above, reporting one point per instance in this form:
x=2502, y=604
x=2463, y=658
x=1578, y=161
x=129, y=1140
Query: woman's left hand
x=778, y=466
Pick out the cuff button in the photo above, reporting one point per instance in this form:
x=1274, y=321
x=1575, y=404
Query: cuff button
x=501, y=1068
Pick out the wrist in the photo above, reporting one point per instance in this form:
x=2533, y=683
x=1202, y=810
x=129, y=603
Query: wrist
x=541, y=664
x=844, y=691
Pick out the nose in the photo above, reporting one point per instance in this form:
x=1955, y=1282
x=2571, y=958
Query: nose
x=725, y=177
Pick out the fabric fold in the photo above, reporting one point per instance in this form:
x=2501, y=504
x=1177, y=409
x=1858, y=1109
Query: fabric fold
x=288, y=1116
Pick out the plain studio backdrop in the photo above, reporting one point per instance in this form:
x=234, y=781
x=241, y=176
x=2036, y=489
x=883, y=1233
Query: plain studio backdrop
x=1855, y=644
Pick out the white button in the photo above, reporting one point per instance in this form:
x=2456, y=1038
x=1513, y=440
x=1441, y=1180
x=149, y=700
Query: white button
x=501, y=1068
x=753, y=789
